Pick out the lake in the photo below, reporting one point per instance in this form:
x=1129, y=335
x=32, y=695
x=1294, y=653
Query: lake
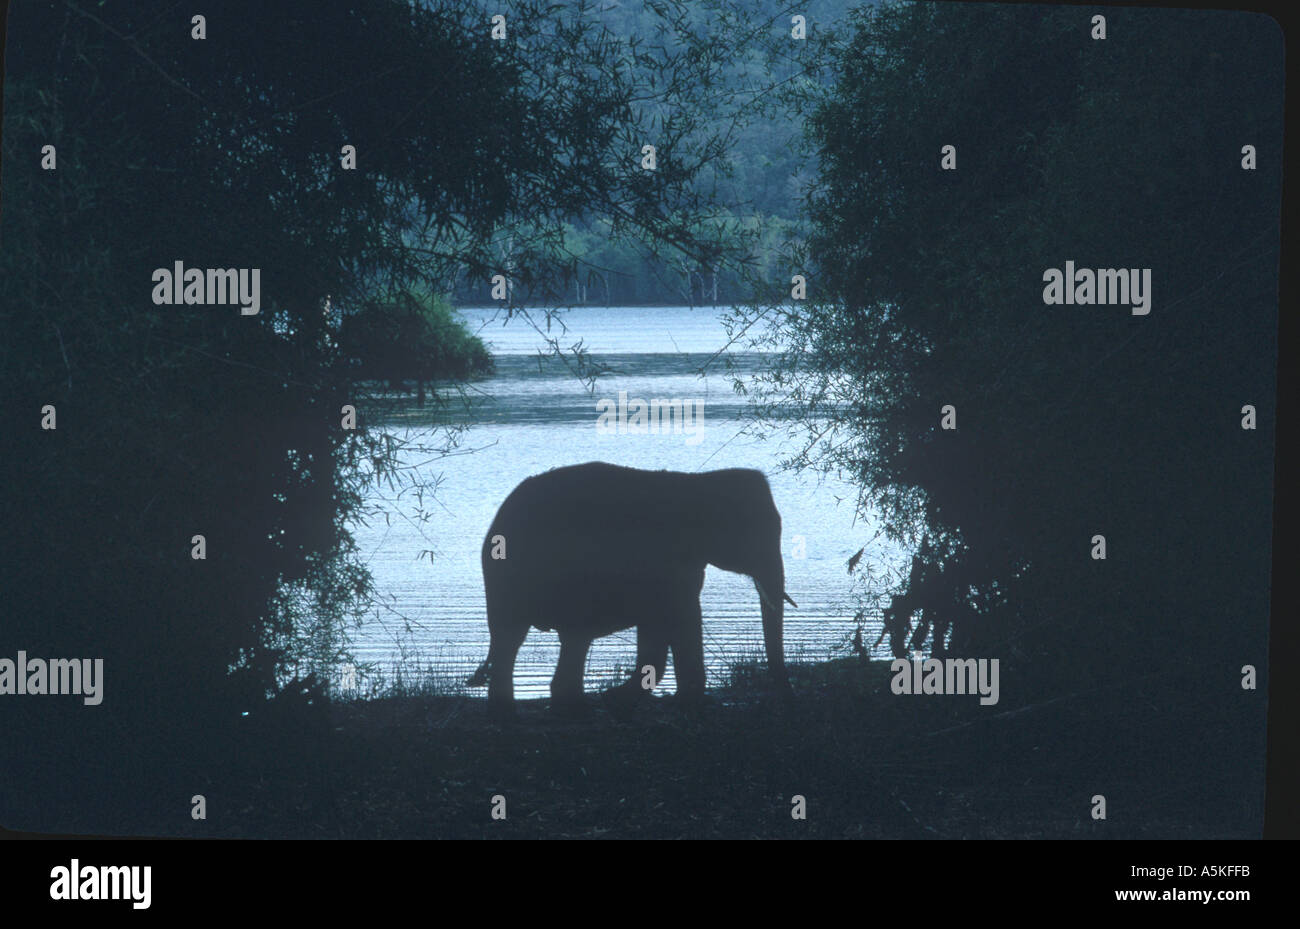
x=529, y=417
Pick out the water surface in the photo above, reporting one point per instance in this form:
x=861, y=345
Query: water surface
x=530, y=417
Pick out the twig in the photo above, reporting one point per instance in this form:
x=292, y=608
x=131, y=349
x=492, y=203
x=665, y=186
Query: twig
x=63, y=352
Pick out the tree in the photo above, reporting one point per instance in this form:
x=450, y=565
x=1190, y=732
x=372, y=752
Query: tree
x=1071, y=421
x=411, y=337
x=178, y=421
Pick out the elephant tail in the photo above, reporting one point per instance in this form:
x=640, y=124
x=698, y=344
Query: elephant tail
x=480, y=677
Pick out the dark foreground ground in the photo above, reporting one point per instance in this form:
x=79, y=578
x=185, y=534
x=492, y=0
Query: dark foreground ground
x=1173, y=759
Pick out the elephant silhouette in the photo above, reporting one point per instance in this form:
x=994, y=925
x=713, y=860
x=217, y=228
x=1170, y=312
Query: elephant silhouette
x=591, y=549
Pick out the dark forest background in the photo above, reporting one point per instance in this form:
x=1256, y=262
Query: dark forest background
x=477, y=156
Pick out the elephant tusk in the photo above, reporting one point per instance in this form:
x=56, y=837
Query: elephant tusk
x=769, y=601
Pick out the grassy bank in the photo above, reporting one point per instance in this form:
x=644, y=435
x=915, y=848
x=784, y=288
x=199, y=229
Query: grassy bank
x=870, y=764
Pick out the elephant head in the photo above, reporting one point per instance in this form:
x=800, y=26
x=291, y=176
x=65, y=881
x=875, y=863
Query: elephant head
x=744, y=536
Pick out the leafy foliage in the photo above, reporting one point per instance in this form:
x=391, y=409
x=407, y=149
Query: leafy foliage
x=1071, y=420
x=174, y=421
x=412, y=337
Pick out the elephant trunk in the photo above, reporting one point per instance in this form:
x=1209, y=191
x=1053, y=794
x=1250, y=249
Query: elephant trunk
x=771, y=591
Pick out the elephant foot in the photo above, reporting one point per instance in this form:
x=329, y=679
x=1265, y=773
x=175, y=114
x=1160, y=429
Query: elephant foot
x=502, y=712
x=626, y=699
x=629, y=692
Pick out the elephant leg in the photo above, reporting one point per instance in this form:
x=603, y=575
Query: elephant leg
x=651, y=651
x=506, y=637
x=566, y=685
x=688, y=653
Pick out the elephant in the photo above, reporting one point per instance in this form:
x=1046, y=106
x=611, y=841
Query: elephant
x=591, y=549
